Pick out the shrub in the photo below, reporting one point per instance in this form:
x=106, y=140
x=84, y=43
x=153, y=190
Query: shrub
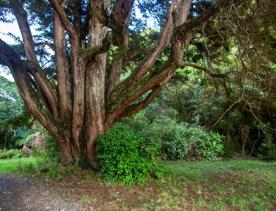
x=267, y=150
x=209, y=145
x=181, y=141
x=124, y=157
x=51, y=148
x=12, y=153
x=193, y=142
x=173, y=138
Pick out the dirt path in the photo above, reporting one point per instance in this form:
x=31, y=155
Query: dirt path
x=17, y=193
x=70, y=194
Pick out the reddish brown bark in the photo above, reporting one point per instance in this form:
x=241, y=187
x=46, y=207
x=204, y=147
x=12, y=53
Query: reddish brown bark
x=95, y=90
x=34, y=69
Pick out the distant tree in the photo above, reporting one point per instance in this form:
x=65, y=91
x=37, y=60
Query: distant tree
x=13, y=117
x=10, y=102
x=82, y=94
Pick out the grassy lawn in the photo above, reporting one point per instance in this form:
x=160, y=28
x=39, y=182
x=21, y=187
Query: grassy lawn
x=221, y=185
x=204, y=185
x=19, y=165
x=199, y=169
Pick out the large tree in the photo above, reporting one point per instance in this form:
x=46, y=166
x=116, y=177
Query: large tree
x=92, y=50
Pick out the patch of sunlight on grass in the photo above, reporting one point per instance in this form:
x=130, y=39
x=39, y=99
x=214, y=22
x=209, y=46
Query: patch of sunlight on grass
x=20, y=164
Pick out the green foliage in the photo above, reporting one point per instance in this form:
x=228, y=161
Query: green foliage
x=12, y=153
x=195, y=100
x=182, y=141
x=179, y=141
x=26, y=136
x=51, y=148
x=14, y=120
x=268, y=150
x=173, y=137
x=124, y=156
x=209, y=145
x=230, y=149
x=20, y=164
x=10, y=102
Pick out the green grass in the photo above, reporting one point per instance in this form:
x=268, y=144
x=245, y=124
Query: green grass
x=17, y=165
x=218, y=185
x=40, y=168
x=197, y=169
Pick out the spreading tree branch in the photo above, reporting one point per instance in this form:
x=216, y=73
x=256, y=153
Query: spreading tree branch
x=42, y=81
x=64, y=87
x=9, y=58
x=63, y=17
x=119, y=25
x=177, y=17
x=195, y=24
x=134, y=108
x=157, y=80
x=164, y=40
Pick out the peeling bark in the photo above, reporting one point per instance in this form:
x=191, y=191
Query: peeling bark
x=64, y=88
x=95, y=91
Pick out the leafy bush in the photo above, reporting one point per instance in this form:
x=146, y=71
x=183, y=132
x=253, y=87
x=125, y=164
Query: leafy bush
x=13, y=153
x=209, y=145
x=124, y=157
x=267, y=150
x=172, y=136
x=13, y=129
x=181, y=141
x=51, y=148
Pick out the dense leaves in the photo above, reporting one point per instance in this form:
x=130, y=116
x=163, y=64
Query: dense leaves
x=14, y=120
x=178, y=140
x=124, y=157
x=10, y=102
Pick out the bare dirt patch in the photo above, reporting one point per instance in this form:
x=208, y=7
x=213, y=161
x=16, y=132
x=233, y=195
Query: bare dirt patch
x=19, y=193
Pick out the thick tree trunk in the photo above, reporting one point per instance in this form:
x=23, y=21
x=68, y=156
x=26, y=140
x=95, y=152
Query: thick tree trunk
x=94, y=115
x=87, y=154
x=65, y=152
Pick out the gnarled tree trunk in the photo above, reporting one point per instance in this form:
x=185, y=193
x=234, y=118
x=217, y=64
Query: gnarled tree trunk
x=88, y=95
